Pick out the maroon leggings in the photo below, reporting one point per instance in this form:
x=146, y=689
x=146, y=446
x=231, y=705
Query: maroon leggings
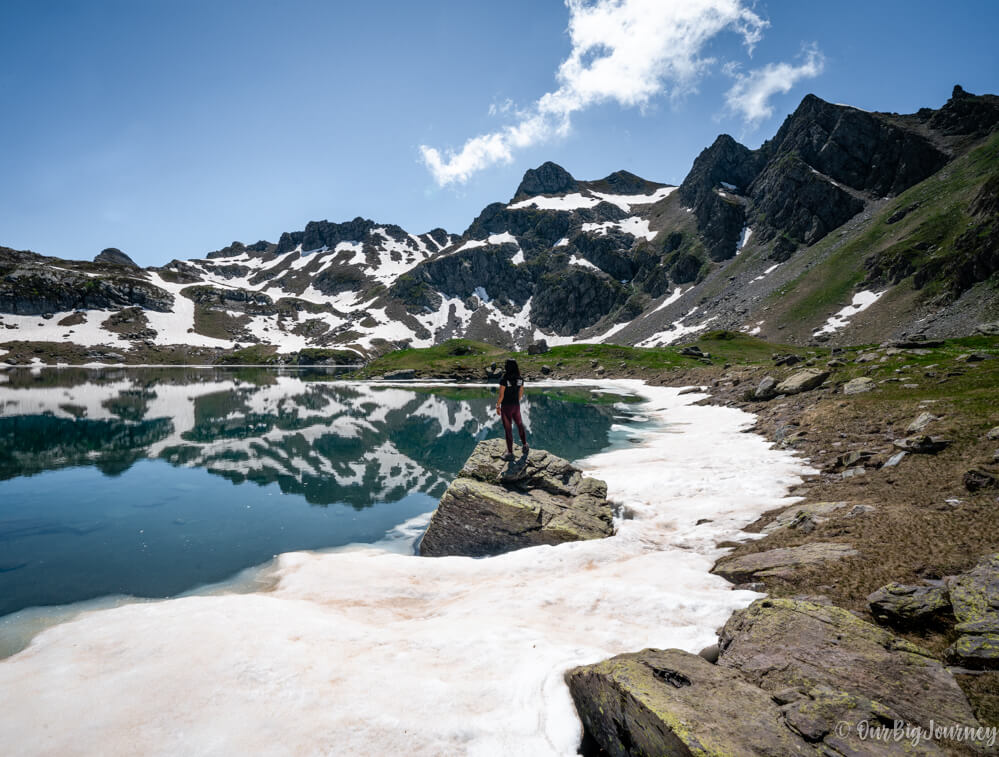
x=511, y=413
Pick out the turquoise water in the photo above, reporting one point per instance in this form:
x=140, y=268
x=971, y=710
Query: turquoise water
x=152, y=482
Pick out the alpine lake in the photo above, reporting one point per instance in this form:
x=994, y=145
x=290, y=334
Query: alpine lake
x=153, y=482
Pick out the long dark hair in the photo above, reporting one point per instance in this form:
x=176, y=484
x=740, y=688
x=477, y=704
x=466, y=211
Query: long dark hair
x=511, y=370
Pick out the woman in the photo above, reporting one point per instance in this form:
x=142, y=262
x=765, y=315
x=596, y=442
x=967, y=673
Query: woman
x=508, y=406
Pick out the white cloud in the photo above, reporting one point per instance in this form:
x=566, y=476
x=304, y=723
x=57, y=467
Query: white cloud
x=750, y=94
x=623, y=51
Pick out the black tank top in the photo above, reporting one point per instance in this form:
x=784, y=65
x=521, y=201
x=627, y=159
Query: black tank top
x=511, y=396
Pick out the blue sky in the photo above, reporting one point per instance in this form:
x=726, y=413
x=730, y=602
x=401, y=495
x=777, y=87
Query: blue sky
x=169, y=128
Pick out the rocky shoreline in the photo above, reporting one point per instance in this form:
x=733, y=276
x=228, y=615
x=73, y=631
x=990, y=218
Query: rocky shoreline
x=845, y=604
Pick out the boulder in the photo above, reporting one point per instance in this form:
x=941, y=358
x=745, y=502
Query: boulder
x=539, y=347
x=858, y=385
x=975, y=598
x=975, y=480
x=766, y=389
x=802, y=381
x=975, y=651
x=402, y=375
x=910, y=607
x=922, y=444
x=783, y=643
x=920, y=423
x=496, y=506
x=992, y=434
x=781, y=562
x=798, y=516
x=975, y=594
x=664, y=702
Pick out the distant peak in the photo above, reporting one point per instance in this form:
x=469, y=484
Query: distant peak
x=114, y=256
x=624, y=183
x=547, y=179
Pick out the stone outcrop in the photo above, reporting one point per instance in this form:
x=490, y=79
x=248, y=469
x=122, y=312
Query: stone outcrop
x=975, y=598
x=784, y=644
x=660, y=702
x=781, y=562
x=114, y=256
x=793, y=677
x=548, y=178
x=497, y=506
x=858, y=385
x=910, y=606
x=802, y=381
x=31, y=285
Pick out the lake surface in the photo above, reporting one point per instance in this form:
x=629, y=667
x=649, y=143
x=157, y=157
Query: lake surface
x=151, y=482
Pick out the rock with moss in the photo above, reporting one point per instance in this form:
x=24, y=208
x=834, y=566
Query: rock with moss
x=781, y=562
x=975, y=598
x=910, y=607
x=497, y=506
x=782, y=644
x=975, y=594
x=665, y=702
x=659, y=702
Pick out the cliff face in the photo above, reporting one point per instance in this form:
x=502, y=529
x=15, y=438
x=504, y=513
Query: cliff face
x=896, y=210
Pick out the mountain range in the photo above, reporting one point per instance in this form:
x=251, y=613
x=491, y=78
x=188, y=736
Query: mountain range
x=847, y=226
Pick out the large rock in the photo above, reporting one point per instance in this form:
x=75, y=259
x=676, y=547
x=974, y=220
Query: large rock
x=920, y=423
x=975, y=598
x=783, y=644
x=781, y=562
x=802, y=381
x=804, y=517
x=858, y=385
x=495, y=506
x=922, y=444
x=670, y=702
x=910, y=606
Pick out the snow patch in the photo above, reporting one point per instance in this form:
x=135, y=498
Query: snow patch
x=746, y=234
x=678, y=330
x=673, y=297
x=861, y=301
x=582, y=262
x=518, y=258
x=767, y=272
x=625, y=202
x=574, y=201
x=505, y=238
x=471, y=244
x=637, y=227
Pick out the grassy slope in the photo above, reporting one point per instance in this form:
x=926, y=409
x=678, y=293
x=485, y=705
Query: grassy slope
x=941, y=216
x=467, y=356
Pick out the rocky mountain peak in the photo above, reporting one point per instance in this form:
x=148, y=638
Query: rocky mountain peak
x=964, y=114
x=114, y=256
x=547, y=179
x=724, y=162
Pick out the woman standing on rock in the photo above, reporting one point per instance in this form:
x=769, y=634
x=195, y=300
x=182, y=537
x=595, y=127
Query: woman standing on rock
x=508, y=406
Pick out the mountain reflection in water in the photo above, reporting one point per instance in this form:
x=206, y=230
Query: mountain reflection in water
x=127, y=481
